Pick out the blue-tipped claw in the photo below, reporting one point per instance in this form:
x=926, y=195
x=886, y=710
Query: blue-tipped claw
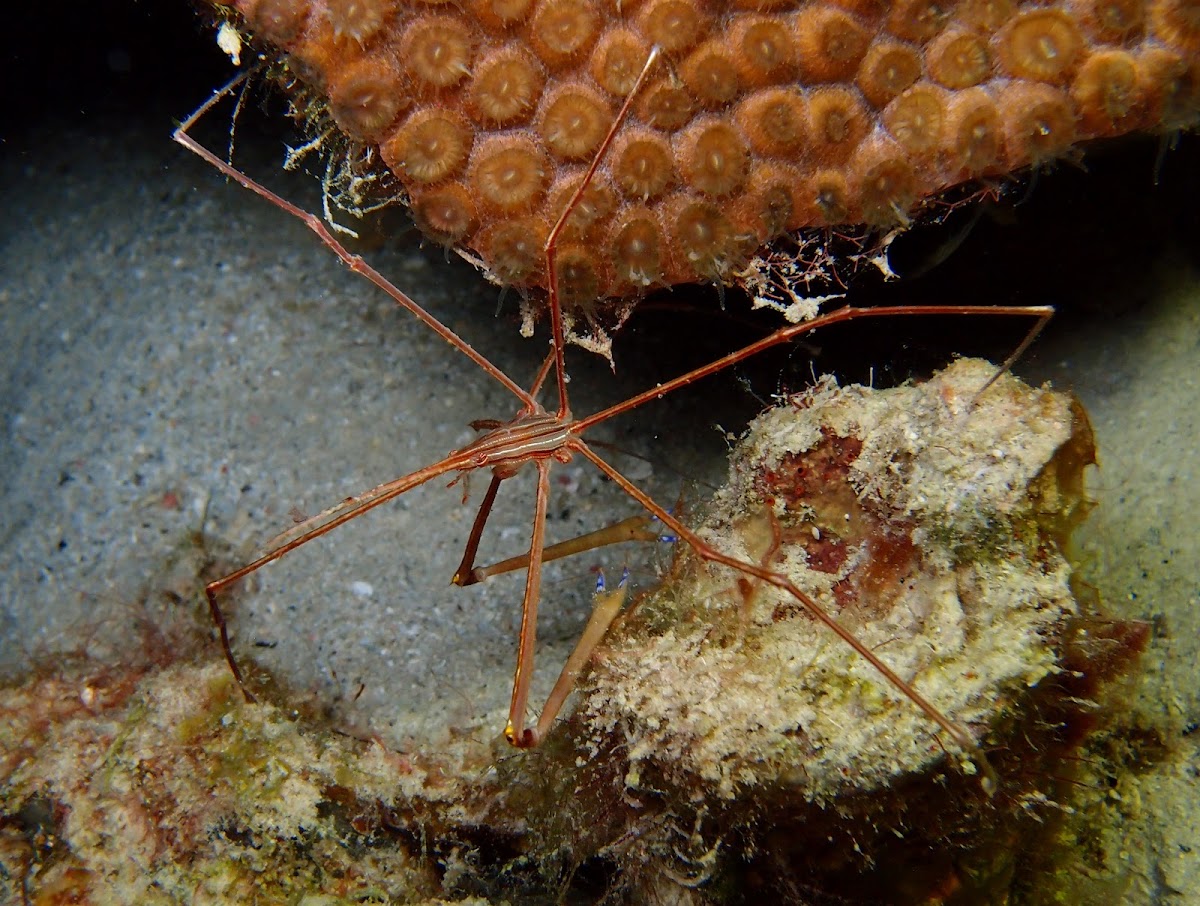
x=600, y=584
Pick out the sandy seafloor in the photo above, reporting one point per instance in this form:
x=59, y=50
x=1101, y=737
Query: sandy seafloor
x=1138, y=377
x=178, y=357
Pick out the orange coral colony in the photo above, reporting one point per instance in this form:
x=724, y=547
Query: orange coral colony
x=763, y=116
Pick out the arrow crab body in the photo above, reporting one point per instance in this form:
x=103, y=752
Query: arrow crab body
x=537, y=436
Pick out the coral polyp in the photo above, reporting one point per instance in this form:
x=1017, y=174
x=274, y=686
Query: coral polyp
x=365, y=99
x=1043, y=45
x=618, y=60
x=643, y=165
x=918, y=20
x=431, y=146
x=505, y=88
x=706, y=237
x=357, y=19
x=439, y=52
x=574, y=122
x=673, y=25
x=769, y=202
x=513, y=249
x=563, y=30
x=889, y=182
x=1106, y=90
x=831, y=198
x=830, y=43
x=838, y=122
x=917, y=119
x=959, y=59
x=1039, y=121
x=710, y=75
x=715, y=159
x=774, y=122
x=1177, y=23
x=975, y=131
x=765, y=54
x=509, y=174
x=636, y=249
x=446, y=214
x=888, y=69
x=278, y=21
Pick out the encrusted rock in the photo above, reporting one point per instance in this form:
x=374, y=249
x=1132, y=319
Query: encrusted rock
x=934, y=525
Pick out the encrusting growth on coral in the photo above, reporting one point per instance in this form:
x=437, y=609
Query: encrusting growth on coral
x=848, y=113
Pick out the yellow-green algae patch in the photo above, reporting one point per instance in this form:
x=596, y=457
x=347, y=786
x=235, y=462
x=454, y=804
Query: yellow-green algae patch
x=165, y=788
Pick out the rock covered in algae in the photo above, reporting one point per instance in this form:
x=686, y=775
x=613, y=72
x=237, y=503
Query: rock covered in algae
x=918, y=516
x=932, y=521
x=161, y=786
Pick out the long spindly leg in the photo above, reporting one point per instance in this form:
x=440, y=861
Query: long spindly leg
x=605, y=607
x=543, y=372
x=352, y=507
x=551, y=247
x=315, y=527
x=516, y=732
x=354, y=262
x=1013, y=357
x=466, y=573
x=635, y=528
x=1042, y=314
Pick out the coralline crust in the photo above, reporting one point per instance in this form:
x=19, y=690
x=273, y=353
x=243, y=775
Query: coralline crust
x=871, y=108
x=931, y=526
